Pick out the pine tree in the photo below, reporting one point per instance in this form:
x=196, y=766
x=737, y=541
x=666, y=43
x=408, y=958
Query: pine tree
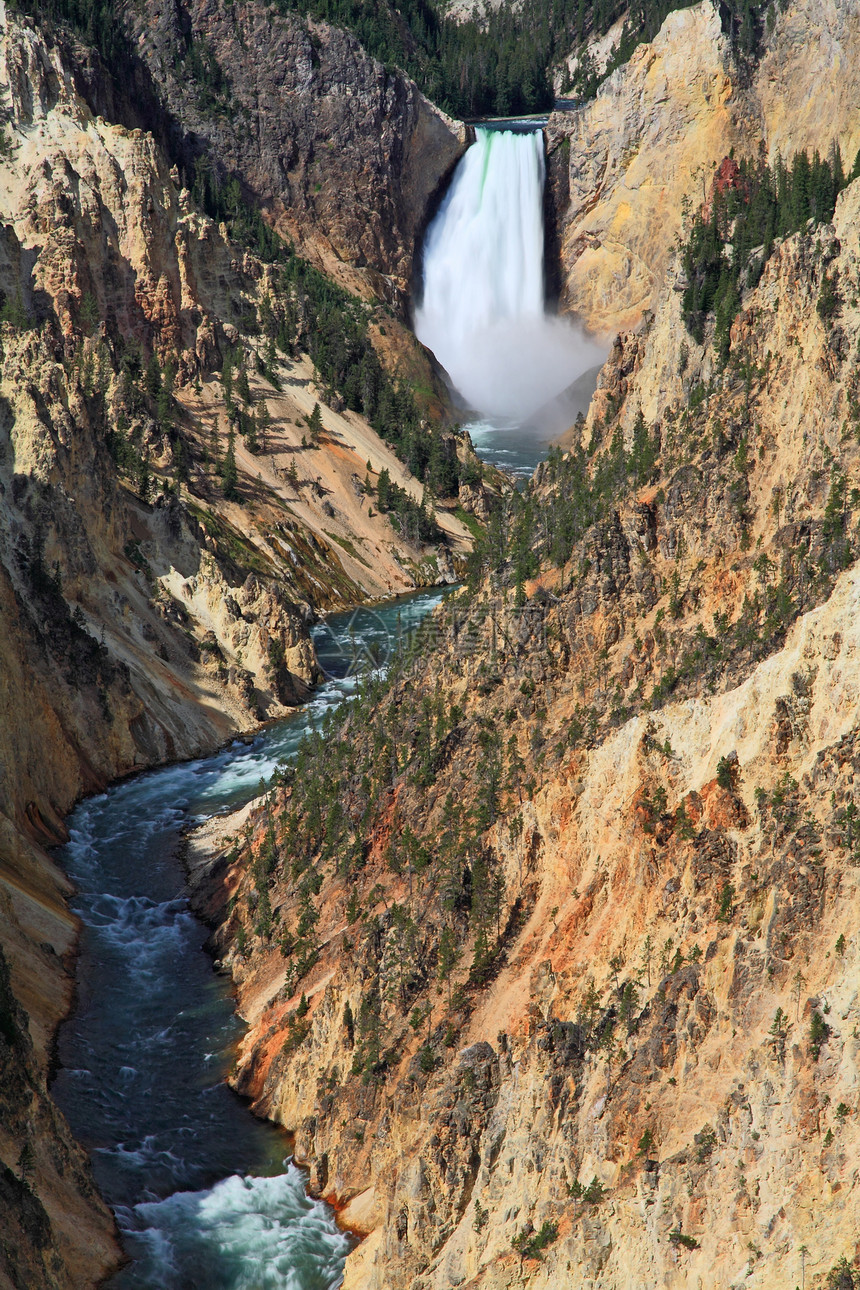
x=449, y=955
x=229, y=474
x=164, y=396
x=315, y=424
x=180, y=460
x=14, y=313
x=249, y=432
x=227, y=380
x=153, y=377
x=264, y=423
x=90, y=317
x=144, y=477
x=370, y=1029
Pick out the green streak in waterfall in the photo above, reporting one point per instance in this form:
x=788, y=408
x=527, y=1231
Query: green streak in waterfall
x=488, y=135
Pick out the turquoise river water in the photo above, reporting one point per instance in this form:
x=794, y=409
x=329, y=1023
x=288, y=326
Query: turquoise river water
x=205, y=1195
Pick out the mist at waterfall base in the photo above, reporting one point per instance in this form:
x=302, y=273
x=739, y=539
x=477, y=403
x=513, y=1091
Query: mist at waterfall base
x=482, y=311
x=203, y=1194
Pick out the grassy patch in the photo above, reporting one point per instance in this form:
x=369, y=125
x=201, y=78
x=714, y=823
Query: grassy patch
x=474, y=526
x=347, y=546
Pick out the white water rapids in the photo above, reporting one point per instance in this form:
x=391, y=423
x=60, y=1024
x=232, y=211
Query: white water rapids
x=482, y=312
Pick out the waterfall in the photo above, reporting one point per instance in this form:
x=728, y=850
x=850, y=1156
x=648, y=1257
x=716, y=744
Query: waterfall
x=482, y=312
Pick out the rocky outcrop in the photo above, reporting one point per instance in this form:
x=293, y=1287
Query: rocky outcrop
x=807, y=83
x=659, y=370
x=56, y=1230
x=594, y=55
x=106, y=262
x=632, y=161
x=343, y=155
x=145, y=615
x=647, y=145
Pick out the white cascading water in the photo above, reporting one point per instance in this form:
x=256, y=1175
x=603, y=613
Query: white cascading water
x=482, y=312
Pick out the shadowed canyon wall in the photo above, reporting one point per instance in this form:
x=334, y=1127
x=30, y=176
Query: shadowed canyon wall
x=146, y=616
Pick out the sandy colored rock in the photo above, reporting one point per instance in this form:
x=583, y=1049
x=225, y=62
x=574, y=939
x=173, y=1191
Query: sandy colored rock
x=634, y=154
x=721, y=1131
x=139, y=623
x=660, y=124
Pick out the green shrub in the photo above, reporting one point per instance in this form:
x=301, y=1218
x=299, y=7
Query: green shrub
x=727, y=773
x=726, y=908
x=680, y=1238
x=818, y=1033
x=530, y=1244
x=646, y=1143
x=843, y=1276
x=705, y=1142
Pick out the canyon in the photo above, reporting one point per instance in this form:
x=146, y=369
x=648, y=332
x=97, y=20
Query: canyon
x=556, y=981
x=633, y=1073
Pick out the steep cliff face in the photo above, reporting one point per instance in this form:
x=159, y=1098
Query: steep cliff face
x=344, y=156
x=807, y=83
x=56, y=1230
x=106, y=260
x=630, y=156
x=562, y=978
x=548, y=954
x=661, y=123
x=94, y=223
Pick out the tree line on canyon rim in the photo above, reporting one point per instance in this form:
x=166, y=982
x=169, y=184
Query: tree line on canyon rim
x=497, y=64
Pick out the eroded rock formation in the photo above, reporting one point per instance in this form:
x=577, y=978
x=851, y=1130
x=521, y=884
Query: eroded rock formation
x=145, y=615
x=626, y=164
x=564, y=988
x=344, y=155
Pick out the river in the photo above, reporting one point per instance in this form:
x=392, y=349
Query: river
x=204, y=1194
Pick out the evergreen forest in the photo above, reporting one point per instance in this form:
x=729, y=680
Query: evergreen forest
x=500, y=64
x=731, y=239
x=497, y=64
